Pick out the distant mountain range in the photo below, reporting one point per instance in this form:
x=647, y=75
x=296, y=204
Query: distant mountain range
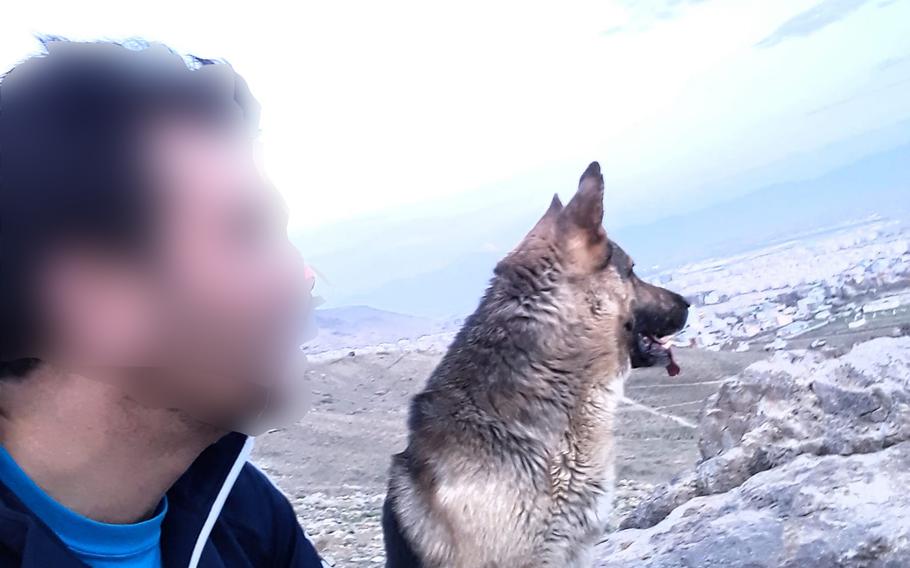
x=360, y=326
x=875, y=185
x=437, y=267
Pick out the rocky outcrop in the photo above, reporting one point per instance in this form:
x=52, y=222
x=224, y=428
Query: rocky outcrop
x=824, y=512
x=804, y=462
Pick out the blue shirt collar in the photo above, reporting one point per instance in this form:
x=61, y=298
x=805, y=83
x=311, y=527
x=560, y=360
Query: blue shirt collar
x=81, y=534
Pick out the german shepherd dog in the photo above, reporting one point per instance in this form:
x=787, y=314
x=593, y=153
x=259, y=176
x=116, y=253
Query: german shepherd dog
x=509, y=462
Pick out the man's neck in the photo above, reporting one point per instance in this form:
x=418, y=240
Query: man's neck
x=94, y=450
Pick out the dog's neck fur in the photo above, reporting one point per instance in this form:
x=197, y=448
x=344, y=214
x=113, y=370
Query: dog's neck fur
x=564, y=369
x=528, y=388
x=511, y=448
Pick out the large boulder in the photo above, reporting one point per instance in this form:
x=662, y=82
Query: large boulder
x=813, y=512
x=798, y=416
x=795, y=404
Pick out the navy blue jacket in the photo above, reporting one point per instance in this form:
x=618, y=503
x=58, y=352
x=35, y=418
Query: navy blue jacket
x=222, y=513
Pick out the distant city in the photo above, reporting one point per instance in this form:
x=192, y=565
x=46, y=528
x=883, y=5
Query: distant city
x=845, y=276
x=849, y=277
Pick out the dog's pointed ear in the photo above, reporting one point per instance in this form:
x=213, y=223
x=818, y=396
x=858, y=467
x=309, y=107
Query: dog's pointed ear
x=555, y=206
x=540, y=236
x=586, y=209
x=548, y=221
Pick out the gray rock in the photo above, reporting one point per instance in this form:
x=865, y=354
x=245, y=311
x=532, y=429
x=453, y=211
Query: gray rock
x=844, y=511
x=665, y=498
x=803, y=463
x=803, y=403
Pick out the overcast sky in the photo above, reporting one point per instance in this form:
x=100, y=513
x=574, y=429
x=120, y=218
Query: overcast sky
x=370, y=106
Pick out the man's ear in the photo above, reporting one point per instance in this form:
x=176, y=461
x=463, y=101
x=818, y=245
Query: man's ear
x=585, y=212
x=98, y=311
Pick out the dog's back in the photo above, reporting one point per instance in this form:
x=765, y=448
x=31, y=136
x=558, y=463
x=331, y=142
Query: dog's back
x=509, y=462
x=398, y=550
x=473, y=487
x=469, y=489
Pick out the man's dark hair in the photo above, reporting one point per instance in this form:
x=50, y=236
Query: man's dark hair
x=69, y=172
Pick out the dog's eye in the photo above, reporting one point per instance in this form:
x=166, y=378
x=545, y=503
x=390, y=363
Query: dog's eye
x=607, y=258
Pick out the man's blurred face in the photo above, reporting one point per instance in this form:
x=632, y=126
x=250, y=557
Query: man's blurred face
x=208, y=319
x=229, y=289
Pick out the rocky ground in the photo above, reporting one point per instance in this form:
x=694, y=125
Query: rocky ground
x=333, y=463
x=804, y=462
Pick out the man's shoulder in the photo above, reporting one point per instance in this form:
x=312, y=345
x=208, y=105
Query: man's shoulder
x=254, y=491
x=259, y=515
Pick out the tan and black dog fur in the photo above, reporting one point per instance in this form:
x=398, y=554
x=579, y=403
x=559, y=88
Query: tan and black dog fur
x=509, y=462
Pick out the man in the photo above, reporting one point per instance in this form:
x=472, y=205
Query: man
x=150, y=303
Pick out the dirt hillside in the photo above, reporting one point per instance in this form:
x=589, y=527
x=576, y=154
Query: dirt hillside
x=332, y=464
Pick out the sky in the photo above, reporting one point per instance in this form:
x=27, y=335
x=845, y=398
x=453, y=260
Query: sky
x=371, y=108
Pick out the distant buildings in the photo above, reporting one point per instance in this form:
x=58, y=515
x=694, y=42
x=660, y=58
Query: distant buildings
x=889, y=303
x=789, y=289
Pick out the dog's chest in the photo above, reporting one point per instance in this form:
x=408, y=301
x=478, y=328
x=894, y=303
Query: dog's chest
x=588, y=439
x=582, y=471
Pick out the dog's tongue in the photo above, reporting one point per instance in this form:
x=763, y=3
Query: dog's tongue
x=672, y=368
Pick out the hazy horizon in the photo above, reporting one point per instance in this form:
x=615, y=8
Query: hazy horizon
x=415, y=143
